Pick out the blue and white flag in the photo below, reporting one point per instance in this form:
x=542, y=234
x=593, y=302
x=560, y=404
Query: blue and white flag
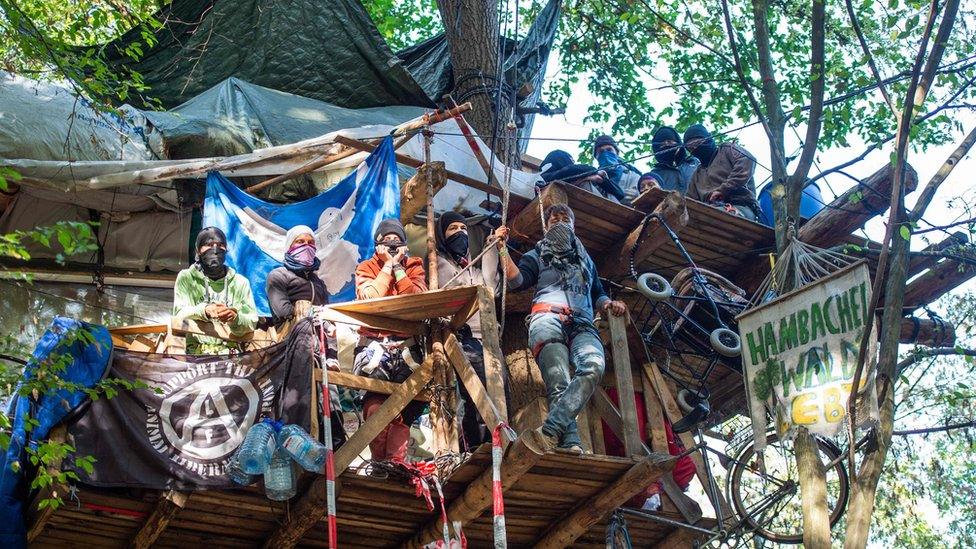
x=344, y=218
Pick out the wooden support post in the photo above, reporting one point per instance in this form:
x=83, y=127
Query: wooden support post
x=167, y=507
x=596, y=429
x=616, y=262
x=569, y=528
x=520, y=457
x=432, y=282
x=413, y=193
x=625, y=385
x=319, y=162
x=656, y=434
x=443, y=404
x=673, y=413
x=38, y=518
x=476, y=390
x=311, y=507
x=585, y=433
x=494, y=359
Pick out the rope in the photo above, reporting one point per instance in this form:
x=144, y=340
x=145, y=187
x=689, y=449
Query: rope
x=498, y=500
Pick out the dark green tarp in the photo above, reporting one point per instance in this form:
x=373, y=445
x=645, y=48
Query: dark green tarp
x=325, y=50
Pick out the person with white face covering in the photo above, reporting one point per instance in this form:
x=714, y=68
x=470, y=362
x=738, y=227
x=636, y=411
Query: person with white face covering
x=210, y=291
x=297, y=280
x=562, y=335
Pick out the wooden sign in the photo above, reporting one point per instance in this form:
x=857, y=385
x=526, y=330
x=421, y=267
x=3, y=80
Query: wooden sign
x=799, y=353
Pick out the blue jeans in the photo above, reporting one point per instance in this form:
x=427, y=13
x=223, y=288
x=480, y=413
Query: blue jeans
x=570, y=357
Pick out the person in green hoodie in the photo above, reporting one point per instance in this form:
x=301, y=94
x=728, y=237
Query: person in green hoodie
x=210, y=291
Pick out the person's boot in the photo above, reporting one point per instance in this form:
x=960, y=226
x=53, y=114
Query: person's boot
x=694, y=417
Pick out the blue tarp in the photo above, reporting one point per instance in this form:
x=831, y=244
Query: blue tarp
x=342, y=218
x=86, y=350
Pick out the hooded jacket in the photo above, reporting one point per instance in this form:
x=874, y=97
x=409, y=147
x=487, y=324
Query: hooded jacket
x=730, y=172
x=194, y=291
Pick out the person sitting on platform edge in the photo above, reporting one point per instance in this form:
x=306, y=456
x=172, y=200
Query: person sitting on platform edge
x=673, y=167
x=625, y=176
x=296, y=284
x=562, y=335
x=389, y=356
x=292, y=290
x=453, y=257
x=211, y=292
x=725, y=177
x=560, y=166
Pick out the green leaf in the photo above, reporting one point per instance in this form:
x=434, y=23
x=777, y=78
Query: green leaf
x=905, y=232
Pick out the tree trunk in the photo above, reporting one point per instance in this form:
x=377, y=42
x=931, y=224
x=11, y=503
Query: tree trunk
x=471, y=27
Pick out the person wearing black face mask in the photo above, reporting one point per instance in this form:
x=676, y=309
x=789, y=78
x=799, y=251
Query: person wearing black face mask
x=453, y=257
x=210, y=291
x=674, y=167
x=725, y=178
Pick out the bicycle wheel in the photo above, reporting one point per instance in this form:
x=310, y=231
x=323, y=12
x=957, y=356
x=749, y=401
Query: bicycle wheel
x=770, y=502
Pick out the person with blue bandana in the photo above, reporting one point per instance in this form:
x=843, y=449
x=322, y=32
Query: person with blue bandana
x=625, y=176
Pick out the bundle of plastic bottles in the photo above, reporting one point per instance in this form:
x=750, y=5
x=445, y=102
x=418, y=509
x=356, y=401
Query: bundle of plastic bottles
x=271, y=449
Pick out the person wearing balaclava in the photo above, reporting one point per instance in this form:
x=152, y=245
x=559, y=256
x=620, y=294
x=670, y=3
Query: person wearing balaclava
x=625, y=176
x=725, y=177
x=210, y=291
x=560, y=166
x=673, y=166
x=297, y=280
x=562, y=334
x=454, y=259
x=386, y=355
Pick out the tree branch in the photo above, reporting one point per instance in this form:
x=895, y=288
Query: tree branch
x=870, y=59
x=938, y=49
x=817, y=86
x=929, y=430
x=919, y=354
x=928, y=193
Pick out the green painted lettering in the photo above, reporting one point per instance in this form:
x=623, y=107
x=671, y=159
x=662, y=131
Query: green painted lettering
x=756, y=352
x=854, y=314
x=844, y=312
x=803, y=326
x=826, y=312
x=864, y=302
x=787, y=333
x=770, y=339
x=816, y=322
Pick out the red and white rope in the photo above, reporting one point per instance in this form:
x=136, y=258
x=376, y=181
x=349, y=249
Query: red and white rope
x=329, y=457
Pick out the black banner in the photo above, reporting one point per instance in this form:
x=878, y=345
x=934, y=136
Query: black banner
x=181, y=432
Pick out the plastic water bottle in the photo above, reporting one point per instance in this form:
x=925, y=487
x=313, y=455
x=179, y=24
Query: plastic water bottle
x=279, y=479
x=237, y=474
x=258, y=447
x=301, y=447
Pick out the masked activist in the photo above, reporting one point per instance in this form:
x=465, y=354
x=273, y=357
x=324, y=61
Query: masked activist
x=210, y=291
x=725, y=177
x=673, y=166
x=296, y=284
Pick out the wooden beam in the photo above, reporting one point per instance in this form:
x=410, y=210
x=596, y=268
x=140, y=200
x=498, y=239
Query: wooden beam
x=461, y=317
x=167, y=507
x=647, y=236
x=184, y=326
x=596, y=429
x=413, y=193
x=494, y=359
x=515, y=199
x=311, y=507
x=528, y=222
x=680, y=538
x=38, y=518
x=625, y=385
x=921, y=262
x=927, y=332
x=345, y=379
x=443, y=405
x=321, y=161
x=569, y=528
x=852, y=209
x=656, y=434
x=520, y=457
x=936, y=282
x=476, y=390
x=139, y=329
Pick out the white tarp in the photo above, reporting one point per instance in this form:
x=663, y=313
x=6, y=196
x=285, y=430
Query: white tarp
x=799, y=353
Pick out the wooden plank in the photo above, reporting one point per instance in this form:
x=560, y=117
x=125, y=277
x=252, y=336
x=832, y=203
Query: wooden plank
x=520, y=457
x=139, y=329
x=565, y=531
x=413, y=307
x=184, y=326
x=625, y=384
x=374, y=322
x=38, y=518
x=583, y=426
x=528, y=223
x=311, y=507
x=461, y=317
x=656, y=434
x=492, y=352
x=476, y=390
x=413, y=193
x=596, y=429
x=936, y=282
x=645, y=238
x=443, y=404
x=168, y=506
x=680, y=538
x=345, y=379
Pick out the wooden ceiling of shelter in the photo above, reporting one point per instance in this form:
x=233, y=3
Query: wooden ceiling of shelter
x=371, y=512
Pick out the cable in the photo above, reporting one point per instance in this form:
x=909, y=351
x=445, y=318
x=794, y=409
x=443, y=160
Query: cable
x=70, y=300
